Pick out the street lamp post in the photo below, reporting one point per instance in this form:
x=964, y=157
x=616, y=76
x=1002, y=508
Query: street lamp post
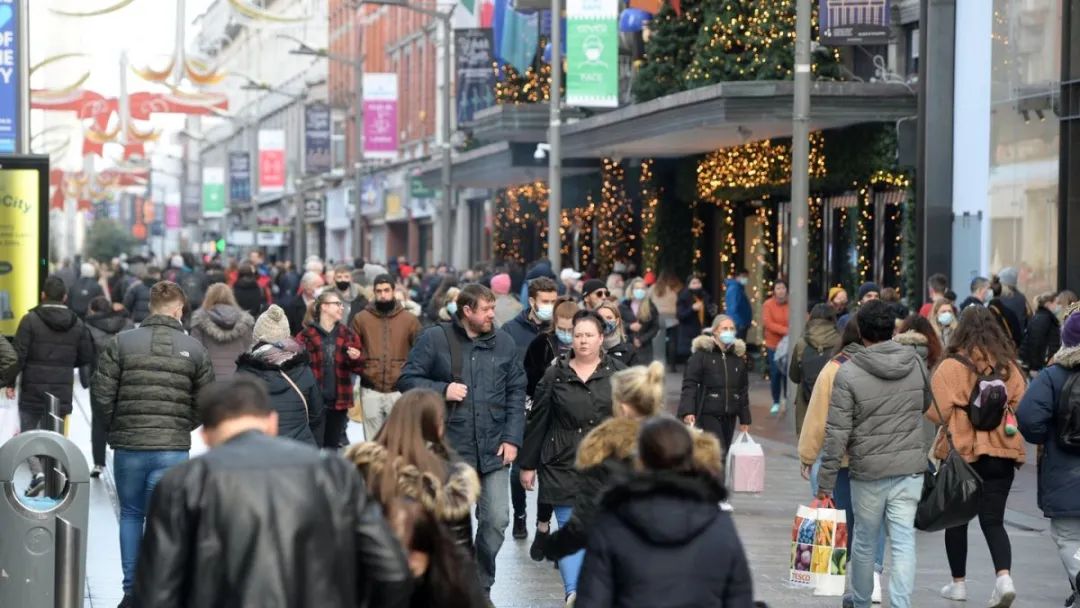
x=798, y=283
x=555, y=141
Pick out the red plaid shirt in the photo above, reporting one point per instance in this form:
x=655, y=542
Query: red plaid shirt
x=311, y=338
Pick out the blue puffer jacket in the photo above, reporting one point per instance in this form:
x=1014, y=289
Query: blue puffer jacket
x=736, y=304
x=493, y=413
x=1059, y=471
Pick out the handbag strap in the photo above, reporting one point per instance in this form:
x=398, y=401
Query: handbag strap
x=298, y=391
x=933, y=401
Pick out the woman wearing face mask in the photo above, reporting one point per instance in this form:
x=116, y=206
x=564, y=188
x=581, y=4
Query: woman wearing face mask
x=449, y=308
x=573, y=397
x=943, y=319
x=715, y=388
x=640, y=321
x=550, y=344
x=615, y=344
x=1043, y=336
x=692, y=310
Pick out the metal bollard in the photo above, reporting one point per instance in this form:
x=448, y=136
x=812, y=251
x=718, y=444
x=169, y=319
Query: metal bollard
x=67, y=585
x=54, y=477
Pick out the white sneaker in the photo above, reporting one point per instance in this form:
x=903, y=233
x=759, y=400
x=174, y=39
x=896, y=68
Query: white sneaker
x=571, y=599
x=726, y=507
x=956, y=591
x=875, y=597
x=1004, y=593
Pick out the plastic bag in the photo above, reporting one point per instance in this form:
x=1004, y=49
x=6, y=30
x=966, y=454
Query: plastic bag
x=819, y=553
x=356, y=412
x=950, y=497
x=9, y=418
x=745, y=465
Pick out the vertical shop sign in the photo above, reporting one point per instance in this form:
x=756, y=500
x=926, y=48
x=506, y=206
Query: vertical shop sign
x=475, y=84
x=592, y=47
x=317, y=138
x=9, y=76
x=380, y=115
x=271, y=160
x=213, y=191
x=239, y=177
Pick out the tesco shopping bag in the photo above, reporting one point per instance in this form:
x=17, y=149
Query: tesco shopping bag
x=819, y=548
x=745, y=465
x=9, y=417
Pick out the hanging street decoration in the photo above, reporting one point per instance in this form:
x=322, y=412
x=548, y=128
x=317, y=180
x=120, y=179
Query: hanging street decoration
x=592, y=46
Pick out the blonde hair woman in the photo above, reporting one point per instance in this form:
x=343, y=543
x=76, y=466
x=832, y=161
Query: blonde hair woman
x=641, y=322
x=943, y=319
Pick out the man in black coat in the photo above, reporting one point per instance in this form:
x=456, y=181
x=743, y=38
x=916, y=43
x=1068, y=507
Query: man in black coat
x=86, y=288
x=297, y=309
x=264, y=521
x=50, y=343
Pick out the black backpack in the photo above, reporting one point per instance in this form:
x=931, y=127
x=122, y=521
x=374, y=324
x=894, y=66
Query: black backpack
x=1068, y=415
x=989, y=398
x=813, y=361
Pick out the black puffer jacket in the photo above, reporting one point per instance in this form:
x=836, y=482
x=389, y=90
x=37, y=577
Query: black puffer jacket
x=265, y=521
x=102, y=327
x=50, y=342
x=1042, y=339
x=268, y=362
x=625, y=353
x=564, y=410
x=716, y=382
x=137, y=299
x=661, y=539
x=145, y=386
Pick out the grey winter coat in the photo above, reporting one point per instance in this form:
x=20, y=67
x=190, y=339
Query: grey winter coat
x=875, y=415
x=225, y=331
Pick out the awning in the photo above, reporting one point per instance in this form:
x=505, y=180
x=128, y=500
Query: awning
x=727, y=114
x=500, y=165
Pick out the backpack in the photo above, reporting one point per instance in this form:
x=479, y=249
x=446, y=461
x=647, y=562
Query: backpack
x=813, y=361
x=989, y=398
x=1068, y=415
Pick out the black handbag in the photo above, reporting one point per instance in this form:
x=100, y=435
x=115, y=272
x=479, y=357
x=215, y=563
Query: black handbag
x=950, y=496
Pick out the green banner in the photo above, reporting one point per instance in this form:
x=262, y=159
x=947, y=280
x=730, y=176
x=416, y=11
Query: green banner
x=592, y=53
x=213, y=191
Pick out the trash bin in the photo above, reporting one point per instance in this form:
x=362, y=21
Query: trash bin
x=43, y=541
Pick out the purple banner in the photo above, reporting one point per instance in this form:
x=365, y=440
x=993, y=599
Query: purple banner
x=172, y=216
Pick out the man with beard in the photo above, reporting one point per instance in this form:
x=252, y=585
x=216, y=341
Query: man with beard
x=387, y=332
x=478, y=370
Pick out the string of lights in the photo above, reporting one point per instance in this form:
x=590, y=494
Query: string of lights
x=650, y=198
x=755, y=165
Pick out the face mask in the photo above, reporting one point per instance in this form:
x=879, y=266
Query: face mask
x=945, y=318
x=610, y=327
x=726, y=337
x=743, y=280
x=565, y=337
x=639, y=294
x=544, y=312
x=343, y=285
x=451, y=308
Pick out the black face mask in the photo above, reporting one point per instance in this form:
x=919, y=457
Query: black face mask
x=384, y=306
x=343, y=286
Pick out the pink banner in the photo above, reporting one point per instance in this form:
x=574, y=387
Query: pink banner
x=271, y=160
x=172, y=216
x=380, y=115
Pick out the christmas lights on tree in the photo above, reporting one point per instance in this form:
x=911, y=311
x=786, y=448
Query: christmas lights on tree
x=615, y=220
x=650, y=198
x=518, y=210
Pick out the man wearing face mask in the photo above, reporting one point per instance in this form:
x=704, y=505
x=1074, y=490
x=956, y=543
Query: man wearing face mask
x=387, y=332
x=350, y=293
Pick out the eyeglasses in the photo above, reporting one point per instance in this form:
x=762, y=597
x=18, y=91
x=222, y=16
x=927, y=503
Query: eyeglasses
x=603, y=293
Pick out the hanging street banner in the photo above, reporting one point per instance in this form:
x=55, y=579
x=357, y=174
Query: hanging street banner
x=380, y=115
x=213, y=191
x=854, y=22
x=475, y=83
x=239, y=177
x=24, y=231
x=9, y=76
x=592, y=48
x=317, y=138
x=271, y=160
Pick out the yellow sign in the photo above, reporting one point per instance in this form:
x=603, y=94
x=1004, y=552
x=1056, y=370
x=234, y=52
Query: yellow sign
x=20, y=244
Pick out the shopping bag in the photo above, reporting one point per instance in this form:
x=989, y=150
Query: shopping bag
x=9, y=417
x=950, y=497
x=829, y=559
x=745, y=465
x=802, y=546
x=356, y=412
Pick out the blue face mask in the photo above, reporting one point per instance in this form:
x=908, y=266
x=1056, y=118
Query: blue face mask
x=544, y=312
x=564, y=336
x=945, y=318
x=610, y=327
x=726, y=337
x=639, y=294
x=451, y=308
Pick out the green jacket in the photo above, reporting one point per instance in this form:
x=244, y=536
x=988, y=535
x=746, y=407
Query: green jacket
x=145, y=386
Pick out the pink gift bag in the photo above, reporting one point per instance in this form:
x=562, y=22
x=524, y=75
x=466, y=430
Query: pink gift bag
x=745, y=465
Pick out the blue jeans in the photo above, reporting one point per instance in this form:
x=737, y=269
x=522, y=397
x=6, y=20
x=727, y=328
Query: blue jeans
x=569, y=566
x=777, y=376
x=887, y=502
x=137, y=473
x=492, y=518
x=842, y=498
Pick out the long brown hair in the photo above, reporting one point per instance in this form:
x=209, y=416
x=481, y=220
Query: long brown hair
x=219, y=293
x=920, y=325
x=411, y=436
x=979, y=334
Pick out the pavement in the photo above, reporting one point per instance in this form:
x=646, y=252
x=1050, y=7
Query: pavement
x=764, y=522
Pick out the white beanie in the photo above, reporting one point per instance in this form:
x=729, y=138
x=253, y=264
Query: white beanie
x=272, y=326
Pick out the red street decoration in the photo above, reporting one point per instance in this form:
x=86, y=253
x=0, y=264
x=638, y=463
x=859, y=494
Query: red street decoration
x=77, y=185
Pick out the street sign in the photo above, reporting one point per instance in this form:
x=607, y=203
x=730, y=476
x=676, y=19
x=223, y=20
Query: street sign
x=854, y=22
x=239, y=177
x=9, y=76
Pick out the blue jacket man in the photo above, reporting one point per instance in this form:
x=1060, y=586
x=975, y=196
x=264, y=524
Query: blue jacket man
x=485, y=406
x=737, y=305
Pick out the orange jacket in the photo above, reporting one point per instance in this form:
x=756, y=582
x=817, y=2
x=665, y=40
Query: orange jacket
x=775, y=317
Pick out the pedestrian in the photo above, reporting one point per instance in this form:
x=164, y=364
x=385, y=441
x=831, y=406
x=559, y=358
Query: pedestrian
x=838, y=299
x=980, y=355
x=818, y=344
x=50, y=342
x=915, y=331
x=615, y=343
x=891, y=296
x=867, y=292
x=288, y=283
x=137, y=296
x=737, y=304
x=641, y=321
x=441, y=298
x=541, y=268
x=660, y=538
x=553, y=343
x=388, y=332
x=507, y=307
x=144, y=386
x=716, y=385
x=812, y=439
x=1065, y=300
x=1050, y=400
x=1043, y=336
x=86, y=288
x=980, y=293
x=616, y=286
x=1006, y=318
x=336, y=353
x=404, y=298
x=943, y=319
x=1013, y=298
x=223, y=328
x=350, y=292
x=569, y=278
x=594, y=293
x=936, y=286
x=104, y=324
x=477, y=370
x=409, y=458
x=261, y=520
x=284, y=367
x=250, y=296
x=573, y=397
x=692, y=310
x=875, y=418
x=448, y=311
x=774, y=315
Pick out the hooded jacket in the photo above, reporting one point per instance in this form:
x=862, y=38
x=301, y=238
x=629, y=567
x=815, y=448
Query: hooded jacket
x=1059, y=470
x=50, y=342
x=660, y=539
x=225, y=332
x=736, y=304
x=102, y=327
x=875, y=415
x=387, y=339
x=300, y=412
x=137, y=299
x=717, y=381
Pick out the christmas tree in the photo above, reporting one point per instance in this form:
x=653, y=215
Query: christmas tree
x=668, y=51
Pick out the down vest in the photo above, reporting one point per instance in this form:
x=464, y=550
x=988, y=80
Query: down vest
x=145, y=386
x=875, y=415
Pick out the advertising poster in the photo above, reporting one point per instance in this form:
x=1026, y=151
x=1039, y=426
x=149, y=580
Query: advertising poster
x=592, y=49
x=271, y=160
x=317, y=138
x=380, y=115
x=9, y=75
x=239, y=177
x=854, y=22
x=475, y=79
x=213, y=190
x=23, y=252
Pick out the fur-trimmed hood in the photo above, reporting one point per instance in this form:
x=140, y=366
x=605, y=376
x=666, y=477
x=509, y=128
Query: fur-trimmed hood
x=707, y=343
x=911, y=338
x=617, y=438
x=1067, y=356
x=223, y=323
x=450, y=499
